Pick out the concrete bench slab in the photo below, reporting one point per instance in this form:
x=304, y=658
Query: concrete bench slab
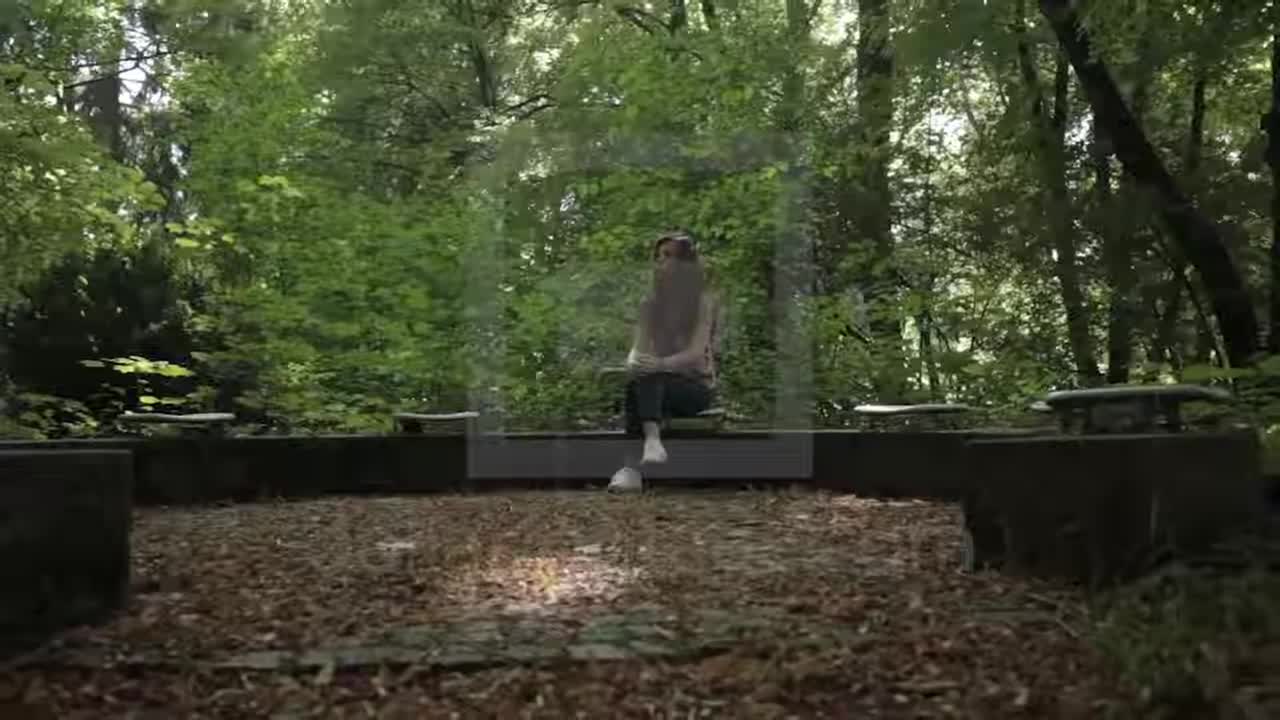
x=177, y=419
x=1128, y=408
x=185, y=423
x=418, y=422
x=438, y=417
x=1181, y=393
x=916, y=416
x=919, y=409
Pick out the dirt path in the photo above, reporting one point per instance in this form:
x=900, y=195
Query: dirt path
x=565, y=605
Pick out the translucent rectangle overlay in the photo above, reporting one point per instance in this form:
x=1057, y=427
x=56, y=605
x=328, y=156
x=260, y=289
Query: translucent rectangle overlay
x=491, y=454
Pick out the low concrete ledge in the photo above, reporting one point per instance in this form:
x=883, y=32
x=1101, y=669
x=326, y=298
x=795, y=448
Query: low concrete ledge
x=191, y=470
x=1103, y=509
x=929, y=465
x=65, y=519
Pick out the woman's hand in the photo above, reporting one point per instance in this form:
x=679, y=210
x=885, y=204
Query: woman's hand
x=643, y=363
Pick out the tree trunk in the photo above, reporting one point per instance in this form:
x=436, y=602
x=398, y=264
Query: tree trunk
x=1050, y=134
x=481, y=64
x=792, y=105
x=1273, y=158
x=875, y=109
x=100, y=104
x=1062, y=230
x=1166, y=340
x=1121, y=231
x=1117, y=251
x=1167, y=333
x=1195, y=233
x=875, y=67
x=1121, y=235
x=709, y=15
x=678, y=18
x=928, y=359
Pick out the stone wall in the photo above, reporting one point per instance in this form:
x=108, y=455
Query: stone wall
x=64, y=539
x=1099, y=509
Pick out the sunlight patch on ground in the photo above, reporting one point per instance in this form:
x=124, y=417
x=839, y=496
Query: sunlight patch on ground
x=541, y=582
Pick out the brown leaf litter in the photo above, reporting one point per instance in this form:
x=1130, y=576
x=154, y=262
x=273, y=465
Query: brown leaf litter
x=834, y=606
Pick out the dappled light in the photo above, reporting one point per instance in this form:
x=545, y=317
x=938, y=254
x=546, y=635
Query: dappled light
x=541, y=583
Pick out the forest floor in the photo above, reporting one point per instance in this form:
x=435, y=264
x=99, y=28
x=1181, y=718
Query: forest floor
x=560, y=605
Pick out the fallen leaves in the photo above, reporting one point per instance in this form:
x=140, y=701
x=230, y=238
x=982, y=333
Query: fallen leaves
x=924, y=640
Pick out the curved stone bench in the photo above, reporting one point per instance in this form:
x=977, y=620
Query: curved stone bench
x=934, y=411
x=65, y=519
x=1128, y=408
x=206, y=423
x=452, y=422
x=920, y=409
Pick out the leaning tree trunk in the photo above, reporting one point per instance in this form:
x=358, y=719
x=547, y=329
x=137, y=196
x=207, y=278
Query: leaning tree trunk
x=1197, y=236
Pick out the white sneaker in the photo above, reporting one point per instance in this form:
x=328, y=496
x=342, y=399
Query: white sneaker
x=626, y=480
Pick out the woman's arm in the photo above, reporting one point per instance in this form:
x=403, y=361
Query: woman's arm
x=640, y=358
x=637, y=337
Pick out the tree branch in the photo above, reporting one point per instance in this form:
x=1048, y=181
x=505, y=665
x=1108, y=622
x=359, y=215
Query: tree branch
x=136, y=59
x=522, y=111
x=640, y=18
x=100, y=78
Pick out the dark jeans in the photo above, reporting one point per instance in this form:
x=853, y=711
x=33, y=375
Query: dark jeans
x=663, y=395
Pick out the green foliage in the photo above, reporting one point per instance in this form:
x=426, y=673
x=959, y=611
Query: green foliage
x=382, y=205
x=38, y=417
x=1186, y=640
x=62, y=193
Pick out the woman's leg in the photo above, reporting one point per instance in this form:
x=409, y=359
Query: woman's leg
x=685, y=397
x=650, y=398
x=643, y=411
x=646, y=400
